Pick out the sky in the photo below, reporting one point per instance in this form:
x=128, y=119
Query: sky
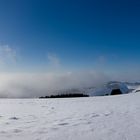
x=70, y=37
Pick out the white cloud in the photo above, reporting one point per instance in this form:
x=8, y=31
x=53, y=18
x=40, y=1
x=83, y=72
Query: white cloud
x=7, y=54
x=54, y=61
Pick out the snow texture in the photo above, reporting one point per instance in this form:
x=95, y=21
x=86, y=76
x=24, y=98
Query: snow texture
x=91, y=118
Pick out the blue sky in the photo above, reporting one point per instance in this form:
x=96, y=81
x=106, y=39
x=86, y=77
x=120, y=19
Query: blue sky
x=72, y=35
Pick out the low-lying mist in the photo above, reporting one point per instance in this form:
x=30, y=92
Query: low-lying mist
x=32, y=85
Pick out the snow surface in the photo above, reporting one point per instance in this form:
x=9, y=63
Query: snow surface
x=91, y=118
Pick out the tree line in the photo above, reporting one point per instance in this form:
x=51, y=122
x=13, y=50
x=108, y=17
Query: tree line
x=71, y=95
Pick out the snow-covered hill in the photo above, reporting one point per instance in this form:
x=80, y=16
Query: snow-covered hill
x=132, y=86
x=101, y=90
x=93, y=118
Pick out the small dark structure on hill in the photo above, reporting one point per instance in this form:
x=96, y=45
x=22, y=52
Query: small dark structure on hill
x=116, y=92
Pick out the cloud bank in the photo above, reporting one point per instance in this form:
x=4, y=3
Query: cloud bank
x=34, y=85
x=27, y=85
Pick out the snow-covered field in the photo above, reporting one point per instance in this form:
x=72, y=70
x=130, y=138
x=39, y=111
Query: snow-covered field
x=93, y=118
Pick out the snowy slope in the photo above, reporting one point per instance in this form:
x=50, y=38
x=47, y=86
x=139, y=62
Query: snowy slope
x=136, y=90
x=93, y=118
